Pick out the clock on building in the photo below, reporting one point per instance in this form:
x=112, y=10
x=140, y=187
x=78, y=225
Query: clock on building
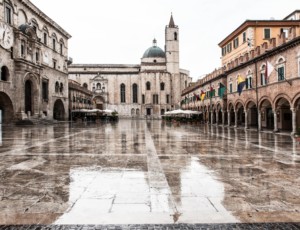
x=6, y=36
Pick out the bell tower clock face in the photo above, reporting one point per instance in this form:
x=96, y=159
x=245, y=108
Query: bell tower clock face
x=6, y=36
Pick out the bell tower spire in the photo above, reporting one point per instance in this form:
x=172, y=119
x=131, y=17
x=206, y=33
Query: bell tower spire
x=171, y=23
x=172, y=47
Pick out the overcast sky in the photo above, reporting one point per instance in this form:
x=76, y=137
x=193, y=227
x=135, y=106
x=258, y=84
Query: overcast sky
x=119, y=31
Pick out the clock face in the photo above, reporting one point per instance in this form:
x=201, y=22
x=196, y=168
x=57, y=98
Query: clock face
x=6, y=36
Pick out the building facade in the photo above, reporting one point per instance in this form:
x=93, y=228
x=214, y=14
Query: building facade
x=33, y=60
x=270, y=98
x=148, y=89
x=79, y=97
x=254, y=33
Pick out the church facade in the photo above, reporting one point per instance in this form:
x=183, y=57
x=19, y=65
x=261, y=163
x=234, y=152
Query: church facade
x=148, y=89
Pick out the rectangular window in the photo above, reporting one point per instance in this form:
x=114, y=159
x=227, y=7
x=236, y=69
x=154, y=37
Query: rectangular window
x=229, y=47
x=8, y=16
x=244, y=37
x=280, y=71
x=267, y=33
x=45, y=38
x=45, y=90
x=224, y=51
x=148, y=111
x=155, y=99
x=54, y=44
x=54, y=64
x=22, y=48
x=143, y=98
x=61, y=48
x=230, y=87
x=236, y=42
x=37, y=55
x=168, y=98
x=285, y=31
x=262, y=79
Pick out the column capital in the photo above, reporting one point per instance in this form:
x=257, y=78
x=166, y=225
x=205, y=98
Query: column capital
x=293, y=110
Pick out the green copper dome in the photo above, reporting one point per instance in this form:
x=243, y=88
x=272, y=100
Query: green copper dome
x=154, y=51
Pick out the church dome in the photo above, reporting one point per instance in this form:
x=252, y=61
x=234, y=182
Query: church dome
x=154, y=51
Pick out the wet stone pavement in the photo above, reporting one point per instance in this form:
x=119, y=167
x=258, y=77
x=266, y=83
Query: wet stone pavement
x=138, y=174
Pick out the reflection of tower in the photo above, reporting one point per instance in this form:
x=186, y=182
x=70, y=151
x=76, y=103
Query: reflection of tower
x=172, y=58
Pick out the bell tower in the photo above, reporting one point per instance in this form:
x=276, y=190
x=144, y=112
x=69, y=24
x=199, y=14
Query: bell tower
x=172, y=47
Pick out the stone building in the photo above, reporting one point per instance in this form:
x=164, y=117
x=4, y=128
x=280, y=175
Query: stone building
x=79, y=97
x=271, y=95
x=148, y=89
x=33, y=61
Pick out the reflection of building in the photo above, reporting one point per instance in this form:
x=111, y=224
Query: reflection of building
x=270, y=99
x=79, y=96
x=33, y=63
x=148, y=89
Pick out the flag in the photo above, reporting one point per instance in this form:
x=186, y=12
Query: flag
x=197, y=97
x=268, y=70
x=202, y=95
x=241, y=84
x=222, y=90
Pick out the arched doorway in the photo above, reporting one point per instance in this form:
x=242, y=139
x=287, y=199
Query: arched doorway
x=231, y=114
x=99, y=102
x=59, y=110
x=6, y=109
x=252, y=115
x=284, y=114
x=219, y=111
x=267, y=115
x=240, y=114
x=28, y=98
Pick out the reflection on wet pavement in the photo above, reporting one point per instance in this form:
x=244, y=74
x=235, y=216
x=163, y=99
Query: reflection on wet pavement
x=138, y=171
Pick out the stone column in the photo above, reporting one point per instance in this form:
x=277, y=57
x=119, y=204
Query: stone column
x=275, y=121
x=235, y=119
x=211, y=117
x=228, y=118
x=294, y=122
x=246, y=119
x=259, y=120
x=217, y=117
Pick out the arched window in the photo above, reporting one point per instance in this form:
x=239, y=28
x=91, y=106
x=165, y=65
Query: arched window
x=123, y=93
x=4, y=73
x=175, y=36
x=280, y=69
x=54, y=38
x=34, y=24
x=134, y=93
x=61, y=46
x=249, y=80
x=56, y=87
x=22, y=18
x=148, y=86
x=162, y=86
x=263, y=79
x=45, y=35
x=61, y=88
x=85, y=85
x=98, y=86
